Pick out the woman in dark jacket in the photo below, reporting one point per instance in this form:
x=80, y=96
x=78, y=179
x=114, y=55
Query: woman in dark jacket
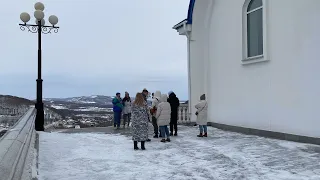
x=174, y=103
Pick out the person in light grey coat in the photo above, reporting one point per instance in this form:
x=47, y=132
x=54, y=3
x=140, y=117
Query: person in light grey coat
x=202, y=111
x=140, y=120
x=163, y=117
x=126, y=109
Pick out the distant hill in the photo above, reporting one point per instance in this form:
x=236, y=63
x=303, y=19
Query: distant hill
x=94, y=99
x=72, y=106
x=8, y=100
x=100, y=101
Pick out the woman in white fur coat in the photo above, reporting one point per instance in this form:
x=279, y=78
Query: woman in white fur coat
x=202, y=111
x=163, y=117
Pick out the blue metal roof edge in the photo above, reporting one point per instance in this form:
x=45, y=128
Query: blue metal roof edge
x=190, y=11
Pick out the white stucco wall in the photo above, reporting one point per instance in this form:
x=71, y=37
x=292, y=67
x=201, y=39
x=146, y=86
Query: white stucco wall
x=281, y=95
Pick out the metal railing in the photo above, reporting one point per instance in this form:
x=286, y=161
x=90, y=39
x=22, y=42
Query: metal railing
x=14, y=147
x=183, y=114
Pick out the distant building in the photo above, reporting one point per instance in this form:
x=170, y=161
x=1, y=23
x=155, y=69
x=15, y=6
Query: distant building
x=13, y=110
x=50, y=115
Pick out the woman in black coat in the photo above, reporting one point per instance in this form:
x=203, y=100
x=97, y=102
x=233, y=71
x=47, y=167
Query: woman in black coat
x=174, y=103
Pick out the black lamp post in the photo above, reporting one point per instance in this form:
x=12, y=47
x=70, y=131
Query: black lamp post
x=39, y=28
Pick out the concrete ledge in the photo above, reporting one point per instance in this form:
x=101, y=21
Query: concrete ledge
x=14, y=146
x=29, y=162
x=269, y=134
x=190, y=124
x=187, y=123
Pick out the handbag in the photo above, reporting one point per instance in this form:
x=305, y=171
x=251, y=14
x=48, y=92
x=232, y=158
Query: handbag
x=154, y=109
x=201, y=109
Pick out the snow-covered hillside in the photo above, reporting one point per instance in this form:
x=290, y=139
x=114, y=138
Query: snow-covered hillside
x=94, y=99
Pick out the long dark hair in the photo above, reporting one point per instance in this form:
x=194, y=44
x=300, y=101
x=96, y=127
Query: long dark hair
x=126, y=98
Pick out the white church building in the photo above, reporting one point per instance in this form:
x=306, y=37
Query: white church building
x=258, y=63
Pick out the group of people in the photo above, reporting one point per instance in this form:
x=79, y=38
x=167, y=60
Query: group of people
x=163, y=112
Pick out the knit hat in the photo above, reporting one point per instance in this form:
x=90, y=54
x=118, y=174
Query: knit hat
x=203, y=97
x=170, y=92
x=117, y=93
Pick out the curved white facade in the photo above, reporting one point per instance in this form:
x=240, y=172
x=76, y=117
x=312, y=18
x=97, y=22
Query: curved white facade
x=281, y=93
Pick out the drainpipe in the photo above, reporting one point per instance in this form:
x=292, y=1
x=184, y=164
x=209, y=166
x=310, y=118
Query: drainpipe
x=189, y=74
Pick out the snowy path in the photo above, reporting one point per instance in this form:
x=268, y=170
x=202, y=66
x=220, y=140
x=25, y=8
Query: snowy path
x=223, y=156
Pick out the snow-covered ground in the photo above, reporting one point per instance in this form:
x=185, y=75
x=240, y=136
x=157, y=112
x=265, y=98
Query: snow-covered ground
x=222, y=156
x=59, y=107
x=94, y=109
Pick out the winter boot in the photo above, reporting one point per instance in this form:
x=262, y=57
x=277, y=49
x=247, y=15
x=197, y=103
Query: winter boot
x=148, y=140
x=142, y=145
x=175, y=134
x=168, y=140
x=200, y=135
x=205, y=135
x=135, y=143
x=171, y=134
x=163, y=140
x=155, y=136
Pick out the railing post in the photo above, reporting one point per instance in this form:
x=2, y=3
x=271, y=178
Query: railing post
x=183, y=114
x=189, y=113
x=186, y=114
x=179, y=115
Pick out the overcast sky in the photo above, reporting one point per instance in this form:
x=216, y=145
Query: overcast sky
x=103, y=46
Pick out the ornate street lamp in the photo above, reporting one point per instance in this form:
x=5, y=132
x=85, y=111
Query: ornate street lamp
x=39, y=28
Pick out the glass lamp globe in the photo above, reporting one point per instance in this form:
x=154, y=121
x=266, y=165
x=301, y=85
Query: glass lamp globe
x=39, y=6
x=38, y=15
x=53, y=20
x=25, y=17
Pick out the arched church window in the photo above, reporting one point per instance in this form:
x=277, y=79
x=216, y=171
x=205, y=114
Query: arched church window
x=254, y=28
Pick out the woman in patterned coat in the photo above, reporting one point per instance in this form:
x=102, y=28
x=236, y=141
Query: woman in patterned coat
x=139, y=119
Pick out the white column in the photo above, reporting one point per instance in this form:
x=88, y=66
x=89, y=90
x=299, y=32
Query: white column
x=189, y=78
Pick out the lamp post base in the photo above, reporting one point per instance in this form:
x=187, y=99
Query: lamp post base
x=39, y=122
